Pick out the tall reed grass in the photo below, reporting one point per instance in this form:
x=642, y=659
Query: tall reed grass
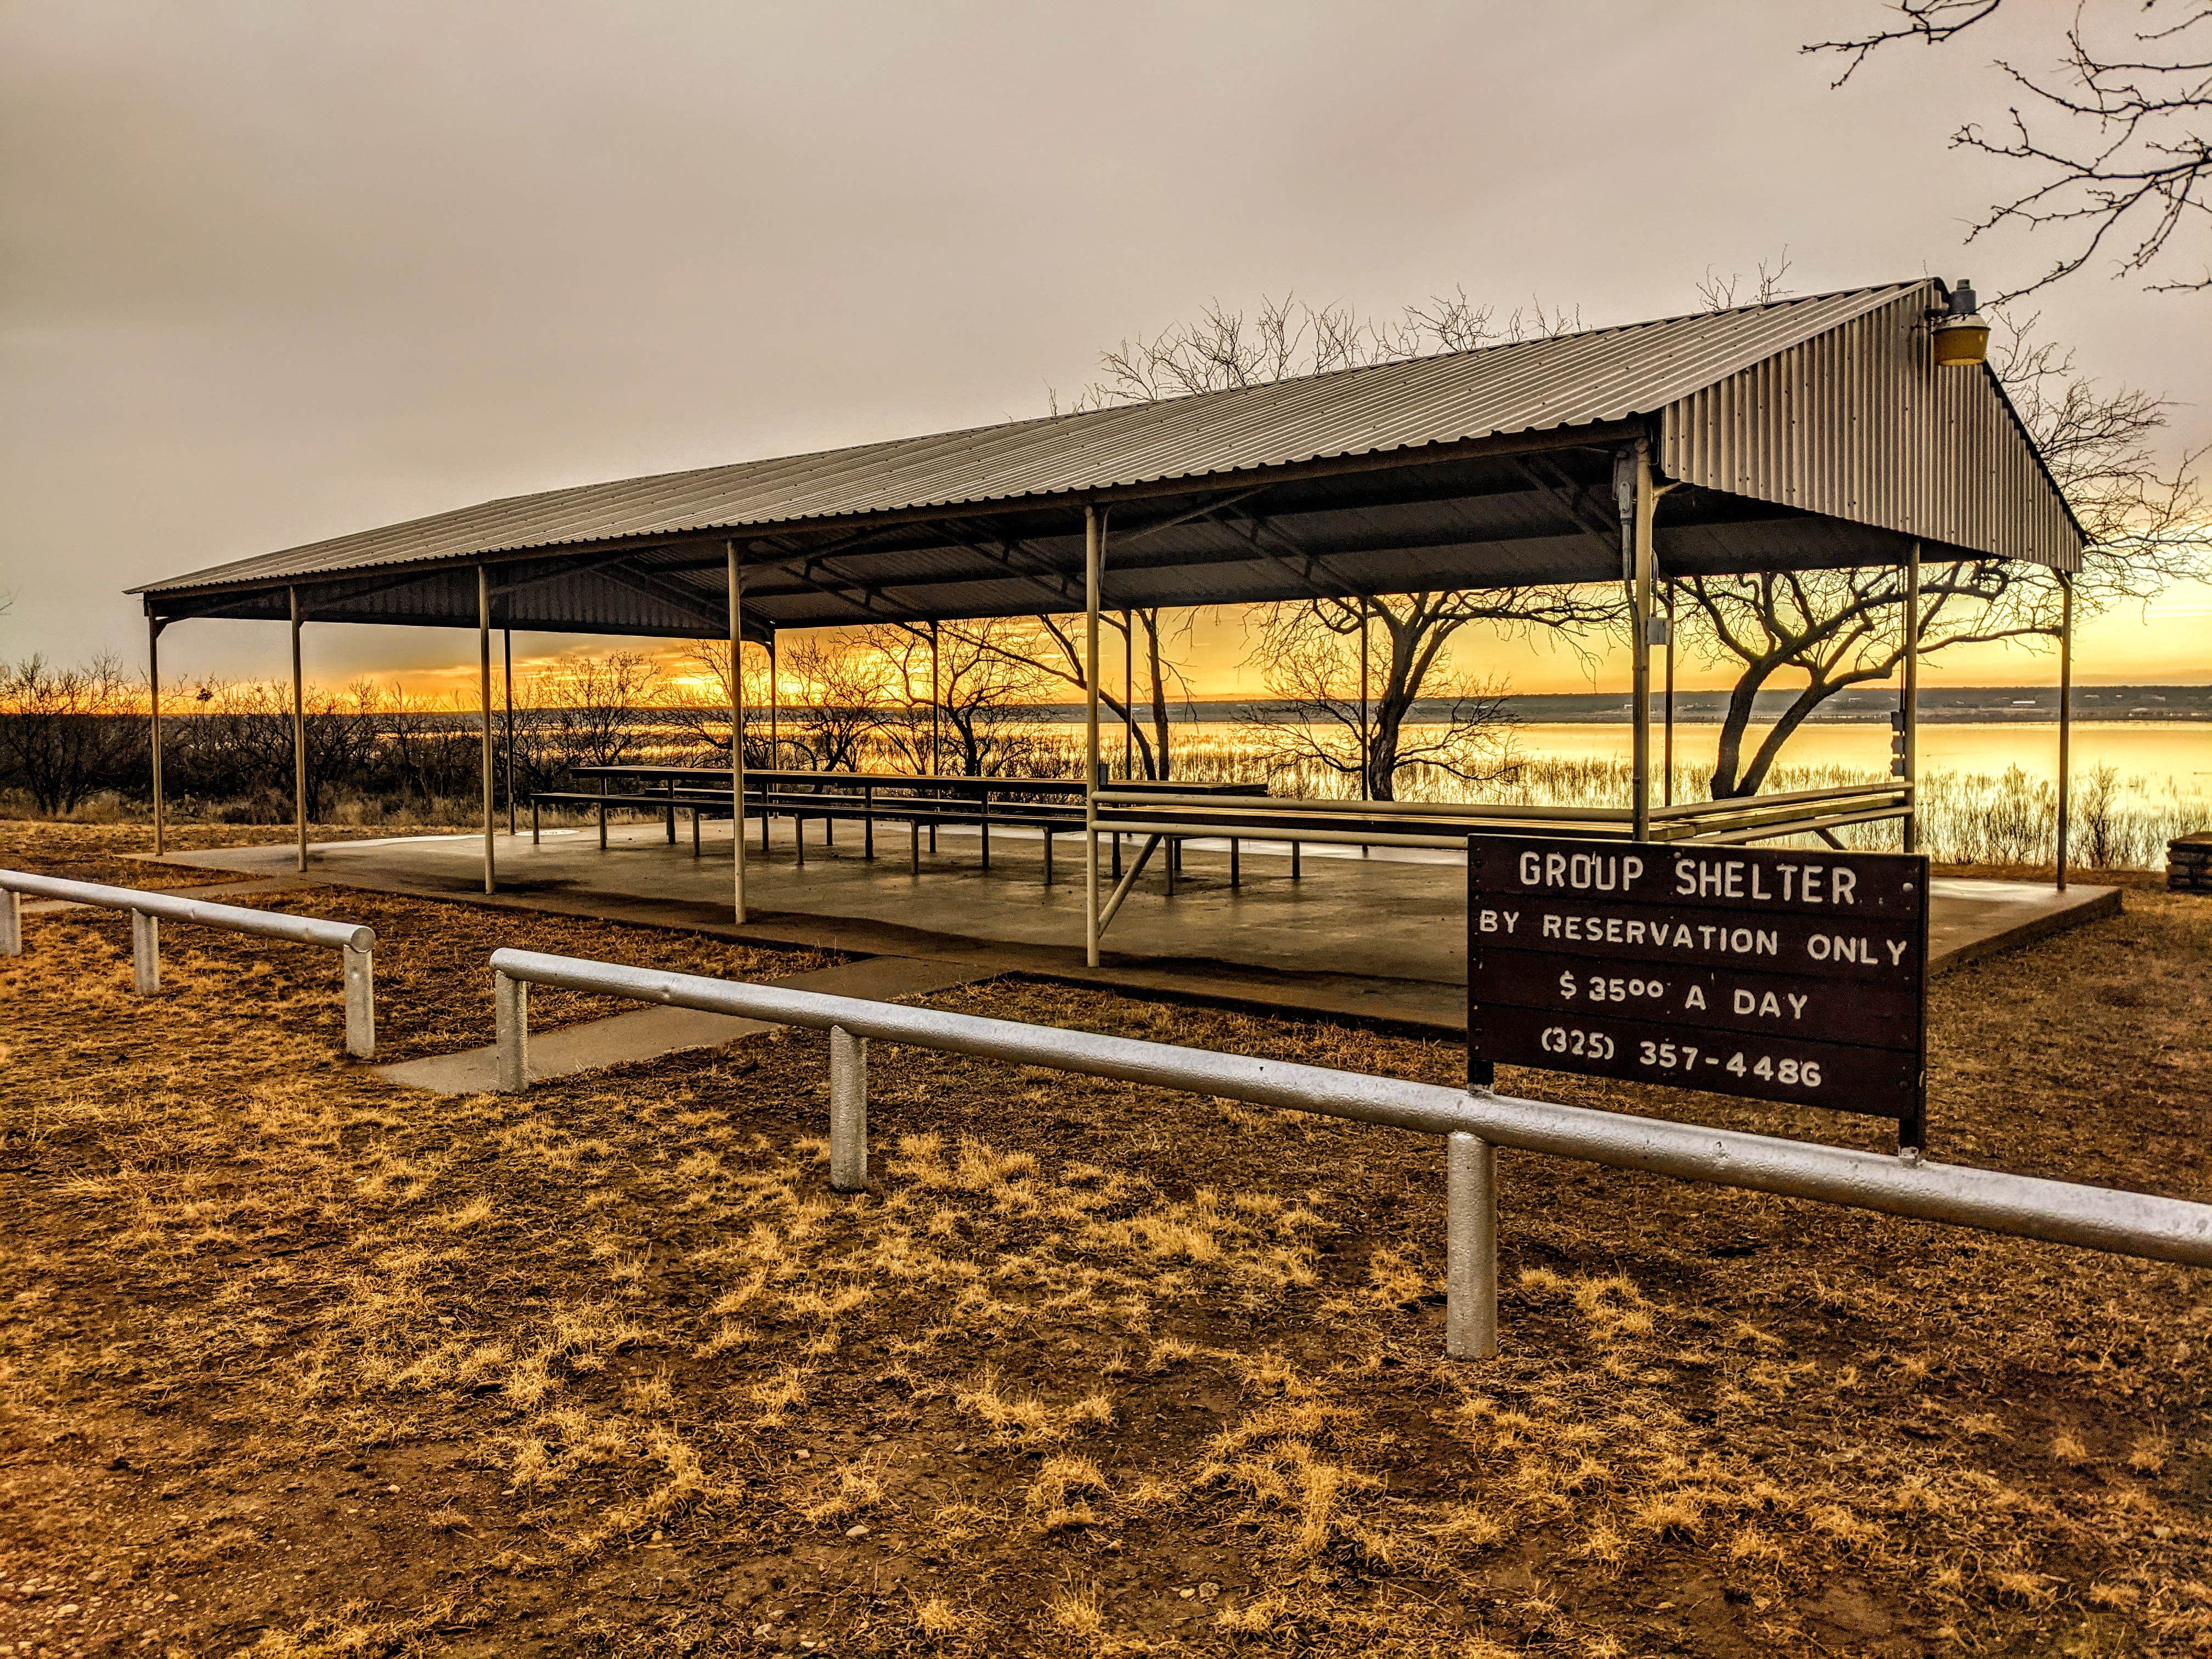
x=2121, y=821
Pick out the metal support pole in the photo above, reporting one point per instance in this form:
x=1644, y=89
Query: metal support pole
x=145, y=954
x=1094, y=560
x=507, y=683
x=1667, y=753
x=1366, y=735
x=154, y=700
x=360, y=1003
x=1912, y=821
x=299, y=735
x=738, y=741
x=1128, y=708
x=483, y=699
x=1471, y=1247
x=2065, y=717
x=1640, y=609
x=936, y=744
x=11, y=922
x=848, y=1111
x=774, y=708
x=510, y=1000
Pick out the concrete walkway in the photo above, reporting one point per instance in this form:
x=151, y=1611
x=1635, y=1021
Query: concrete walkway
x=649, y=1033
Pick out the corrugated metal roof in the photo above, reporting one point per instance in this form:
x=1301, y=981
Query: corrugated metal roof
x=1858, y=423
x=1530, y=386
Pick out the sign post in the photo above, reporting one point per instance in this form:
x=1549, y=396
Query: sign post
x=1778, y=974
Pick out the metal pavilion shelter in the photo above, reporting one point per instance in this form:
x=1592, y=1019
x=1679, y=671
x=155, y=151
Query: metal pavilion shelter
x=1799, y=434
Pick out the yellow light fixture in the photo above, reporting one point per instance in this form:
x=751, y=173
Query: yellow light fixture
x=1962, y=338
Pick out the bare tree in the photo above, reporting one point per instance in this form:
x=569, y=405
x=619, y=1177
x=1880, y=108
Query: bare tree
x=1719, y=292
x=2145, y=524
x=1224, y=349
x=61, y=742
x=2119, y=133
x=1408, y=639
x=1052, y=652
x=845, y=708
x=1322, y=721
x=697, y=705
x=590, y=711
x=986, y=693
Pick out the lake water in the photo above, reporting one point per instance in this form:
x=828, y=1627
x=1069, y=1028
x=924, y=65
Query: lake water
x=2181, y=751
x=2146, y=753
x=1988, y=790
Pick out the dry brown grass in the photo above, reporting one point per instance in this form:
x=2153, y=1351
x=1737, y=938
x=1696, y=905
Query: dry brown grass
x=607, y=1369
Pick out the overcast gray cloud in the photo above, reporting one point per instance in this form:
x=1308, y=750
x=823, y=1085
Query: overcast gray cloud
x=276, y=271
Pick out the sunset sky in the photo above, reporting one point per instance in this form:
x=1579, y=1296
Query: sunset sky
x=277, y=272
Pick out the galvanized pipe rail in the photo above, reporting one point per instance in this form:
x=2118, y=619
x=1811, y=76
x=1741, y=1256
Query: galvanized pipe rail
x=356, y=944
x=1474, y=1121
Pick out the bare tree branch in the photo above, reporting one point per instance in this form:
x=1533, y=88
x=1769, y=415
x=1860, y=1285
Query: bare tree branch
x=2123, y=143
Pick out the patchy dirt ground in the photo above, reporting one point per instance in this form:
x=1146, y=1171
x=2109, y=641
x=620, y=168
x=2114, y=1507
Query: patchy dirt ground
x=293, y=1363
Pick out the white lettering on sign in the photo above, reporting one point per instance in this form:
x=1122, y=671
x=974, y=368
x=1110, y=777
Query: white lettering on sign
x=1766, y=1005
x=1584, y=872
x=1716, y=877
x=1673, y=935
x=1491, y=921
x=1842, y=947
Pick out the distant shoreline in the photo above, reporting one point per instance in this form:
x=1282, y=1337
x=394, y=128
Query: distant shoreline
x=1998, y=705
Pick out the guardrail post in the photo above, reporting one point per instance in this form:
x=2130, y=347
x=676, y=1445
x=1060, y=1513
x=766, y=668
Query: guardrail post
x=11, y=922
x=145, y=954
x=848, y=1111
x=360, y=1003
x=510, y=1020
x=1471, y=1247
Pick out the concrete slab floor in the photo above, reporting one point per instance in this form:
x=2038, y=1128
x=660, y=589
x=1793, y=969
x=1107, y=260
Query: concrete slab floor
x=1381, y=938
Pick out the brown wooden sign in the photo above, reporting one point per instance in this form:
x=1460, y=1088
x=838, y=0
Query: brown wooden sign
x=1778, y=974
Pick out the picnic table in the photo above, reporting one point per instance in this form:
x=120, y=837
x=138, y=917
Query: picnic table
x=1052, y=807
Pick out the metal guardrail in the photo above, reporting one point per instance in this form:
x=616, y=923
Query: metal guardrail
x=149, y=910
x=1474, y=1122
x=1446, y=825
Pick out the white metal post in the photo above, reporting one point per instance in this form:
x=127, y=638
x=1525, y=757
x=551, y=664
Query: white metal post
x=154, y=699
x=299, y=734
x=1640, y=608
x=510, y=1000
x=848, y=1111
x=774, y=708
x=1667, y=745
x=1366, y=731
x=360, y=1003
x=1128, y=734
x=936, y=746
x=507, y=685
x=1912, y=697
x=1093, y=556
x=11, y=922
x=2065, y=717
x=738, y=740
x=484, y=701
x=145, y=954
x=1471, y=1247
